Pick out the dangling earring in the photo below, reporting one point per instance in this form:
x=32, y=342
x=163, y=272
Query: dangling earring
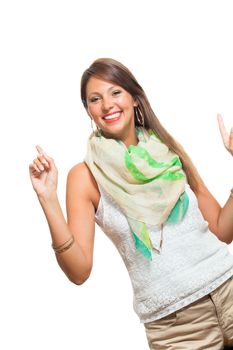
x=92, y=124
x=97, y=130
x=139, y=116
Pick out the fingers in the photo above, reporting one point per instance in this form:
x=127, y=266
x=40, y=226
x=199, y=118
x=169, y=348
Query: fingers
x=223, y=131
x=45, y=161
x=231, y=133
x=231, y=141
x=227, y=138
x=40, y=162
x=39, y=149
x=43, y=156
x=33, y=169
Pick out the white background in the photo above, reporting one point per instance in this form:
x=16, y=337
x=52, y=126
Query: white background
x=181, y=53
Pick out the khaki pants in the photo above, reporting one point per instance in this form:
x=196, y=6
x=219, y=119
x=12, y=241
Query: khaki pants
x=204, y=324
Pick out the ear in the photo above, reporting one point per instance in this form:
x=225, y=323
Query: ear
x=135, y=103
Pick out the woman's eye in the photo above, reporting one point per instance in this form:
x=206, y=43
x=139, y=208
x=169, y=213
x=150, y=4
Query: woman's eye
x=116, y=92
x=94, y=99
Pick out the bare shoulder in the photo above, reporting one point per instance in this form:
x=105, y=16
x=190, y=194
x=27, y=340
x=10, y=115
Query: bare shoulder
x=81, y=177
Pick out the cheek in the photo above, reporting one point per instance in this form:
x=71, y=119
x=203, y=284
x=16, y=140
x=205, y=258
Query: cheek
x=128, y=101
x=125, y=103
x=92, y=110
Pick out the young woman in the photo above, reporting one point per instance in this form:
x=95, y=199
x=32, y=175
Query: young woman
x=139, y=185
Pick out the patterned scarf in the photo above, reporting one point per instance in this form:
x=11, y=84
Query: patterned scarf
x=146, y=181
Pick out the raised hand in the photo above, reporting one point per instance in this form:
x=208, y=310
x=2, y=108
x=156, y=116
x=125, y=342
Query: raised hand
x=43, y=174
x=227, y=138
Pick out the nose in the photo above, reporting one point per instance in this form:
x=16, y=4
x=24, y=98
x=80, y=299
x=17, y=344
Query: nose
x=107, y=104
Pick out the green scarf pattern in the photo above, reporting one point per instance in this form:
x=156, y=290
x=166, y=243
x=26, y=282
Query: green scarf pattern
x=147, y=181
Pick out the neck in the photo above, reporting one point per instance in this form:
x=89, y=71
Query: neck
x=129, y=138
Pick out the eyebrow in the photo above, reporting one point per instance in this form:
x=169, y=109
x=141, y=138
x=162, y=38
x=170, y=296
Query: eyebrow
x=97, y=93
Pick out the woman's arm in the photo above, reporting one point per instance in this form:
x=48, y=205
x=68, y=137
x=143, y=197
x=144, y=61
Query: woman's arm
x=81, y=217
x=76, y=262
x=225, y=221
x=220, y=219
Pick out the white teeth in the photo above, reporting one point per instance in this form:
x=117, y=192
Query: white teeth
x=115, y=115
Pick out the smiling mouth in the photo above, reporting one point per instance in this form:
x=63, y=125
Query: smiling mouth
x=112, y=116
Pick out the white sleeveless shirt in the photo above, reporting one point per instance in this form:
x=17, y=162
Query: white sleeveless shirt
x=191, y=264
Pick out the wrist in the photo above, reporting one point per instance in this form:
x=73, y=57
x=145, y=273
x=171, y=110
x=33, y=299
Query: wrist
x=47, y=199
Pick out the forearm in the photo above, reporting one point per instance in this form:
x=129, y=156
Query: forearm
x=72, y=261
x=225, y=222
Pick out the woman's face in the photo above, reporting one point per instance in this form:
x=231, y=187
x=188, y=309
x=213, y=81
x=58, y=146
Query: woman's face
x=110, y=106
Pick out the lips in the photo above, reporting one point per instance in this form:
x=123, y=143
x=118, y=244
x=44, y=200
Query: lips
x=112, y=116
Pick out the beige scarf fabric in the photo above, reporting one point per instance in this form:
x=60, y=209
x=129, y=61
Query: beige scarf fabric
x=146, y=181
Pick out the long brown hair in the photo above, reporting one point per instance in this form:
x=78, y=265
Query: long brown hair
x=113, y=71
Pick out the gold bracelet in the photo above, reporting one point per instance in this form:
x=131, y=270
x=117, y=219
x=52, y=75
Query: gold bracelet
x=63, y=247
x=63, y=244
